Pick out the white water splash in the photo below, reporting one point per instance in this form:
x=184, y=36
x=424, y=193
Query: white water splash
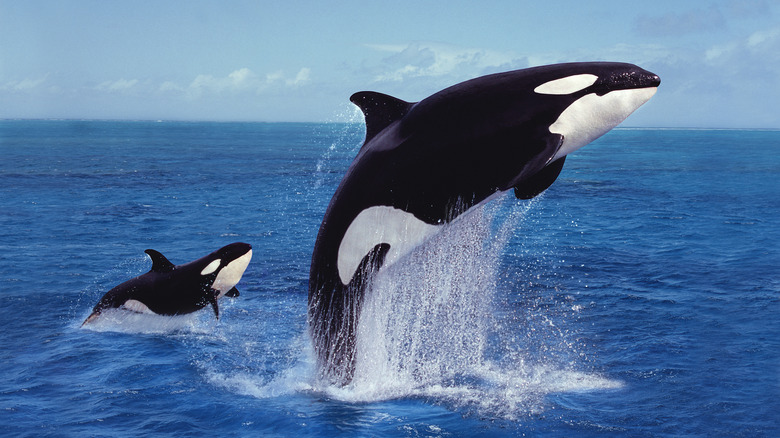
x=425, y=320
x=429, y=328
x=295, y=379
x=124, y=321
x=435, y=326
x=348, y=142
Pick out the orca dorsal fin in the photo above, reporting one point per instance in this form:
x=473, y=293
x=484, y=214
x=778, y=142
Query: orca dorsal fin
x=159, y=262
x=379, y=110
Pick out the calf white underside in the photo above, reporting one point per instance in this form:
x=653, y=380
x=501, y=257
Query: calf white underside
x=137, y=306
x=230, y=275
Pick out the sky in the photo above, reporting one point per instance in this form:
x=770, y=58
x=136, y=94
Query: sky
x=719, y=61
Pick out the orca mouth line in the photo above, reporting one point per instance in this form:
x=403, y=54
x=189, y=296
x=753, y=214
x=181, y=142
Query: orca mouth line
x=555, y=153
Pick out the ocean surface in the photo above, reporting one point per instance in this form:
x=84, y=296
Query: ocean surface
x=639, y=296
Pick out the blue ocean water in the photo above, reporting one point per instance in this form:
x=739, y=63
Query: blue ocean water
x=639, y=296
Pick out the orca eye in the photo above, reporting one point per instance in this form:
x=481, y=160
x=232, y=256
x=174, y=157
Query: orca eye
x=211, y=267
x=567, y=85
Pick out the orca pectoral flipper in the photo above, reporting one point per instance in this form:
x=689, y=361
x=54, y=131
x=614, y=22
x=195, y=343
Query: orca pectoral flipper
x=232, y=293
x=540, y=182
x=90, y=318
x=212, y=299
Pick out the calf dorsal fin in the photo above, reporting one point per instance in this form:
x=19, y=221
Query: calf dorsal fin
x=159, y=262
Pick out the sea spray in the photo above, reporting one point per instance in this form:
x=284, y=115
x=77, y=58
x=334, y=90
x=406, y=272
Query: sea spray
x=125, y=321
x=429, y=327
x=425, y=319
x=295, y=376
x=346, y=136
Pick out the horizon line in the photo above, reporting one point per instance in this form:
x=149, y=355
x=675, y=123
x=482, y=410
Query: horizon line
x=153, y=120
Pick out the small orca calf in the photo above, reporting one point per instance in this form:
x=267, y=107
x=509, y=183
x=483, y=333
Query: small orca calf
x=169, y=289
x=423, y=164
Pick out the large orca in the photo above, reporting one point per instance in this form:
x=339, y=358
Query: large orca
x=169, y=289
x=425, y=163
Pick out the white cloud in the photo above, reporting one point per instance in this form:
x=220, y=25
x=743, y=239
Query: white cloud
x=243, y=80
x=757, y=51
x=720, y=51
x=734, y=83
x=744, y=56
x=303, y=77
x=118, y=85
x=25, y=85
x=239, y=80
x=169, y=86
x=426, y=59
x=756, y=40
x=240, y=77
x=279, y=77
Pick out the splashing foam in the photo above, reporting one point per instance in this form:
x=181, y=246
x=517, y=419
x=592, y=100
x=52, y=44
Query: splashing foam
x=437, y=325
x=295, y=378
x=123, y=321
x=429, y=328
x=351, y=134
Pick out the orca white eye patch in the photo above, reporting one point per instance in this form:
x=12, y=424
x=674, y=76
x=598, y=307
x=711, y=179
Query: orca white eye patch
x=567, y=85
